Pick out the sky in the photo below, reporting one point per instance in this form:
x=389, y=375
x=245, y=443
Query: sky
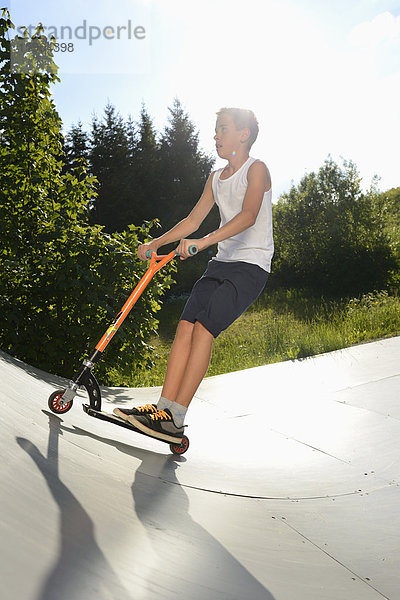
x=323, y=77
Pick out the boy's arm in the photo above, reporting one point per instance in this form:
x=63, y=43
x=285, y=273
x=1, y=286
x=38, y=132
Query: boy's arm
x=185, y=227
x=259, y=182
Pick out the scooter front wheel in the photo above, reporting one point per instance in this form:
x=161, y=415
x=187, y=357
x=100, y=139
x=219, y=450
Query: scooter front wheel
x=56, y=403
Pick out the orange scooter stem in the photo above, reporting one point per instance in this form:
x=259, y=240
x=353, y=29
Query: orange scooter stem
x=156, y=263
x=61, y=401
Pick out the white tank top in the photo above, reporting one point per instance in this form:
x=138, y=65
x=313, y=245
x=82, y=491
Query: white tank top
x=253, y=245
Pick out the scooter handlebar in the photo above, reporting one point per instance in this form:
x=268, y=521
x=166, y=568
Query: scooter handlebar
x=192, y=251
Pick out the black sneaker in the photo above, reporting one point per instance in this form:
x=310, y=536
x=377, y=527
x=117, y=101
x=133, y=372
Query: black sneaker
x=159, y=425
x=125, y=413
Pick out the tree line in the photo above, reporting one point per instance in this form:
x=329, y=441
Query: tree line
x=142, y=174
x=74, y=207
x=331, y=237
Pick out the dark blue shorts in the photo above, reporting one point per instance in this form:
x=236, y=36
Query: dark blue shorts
x=223, y=293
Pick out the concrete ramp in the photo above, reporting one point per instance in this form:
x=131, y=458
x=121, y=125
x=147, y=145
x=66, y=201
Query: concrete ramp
x=289, y=490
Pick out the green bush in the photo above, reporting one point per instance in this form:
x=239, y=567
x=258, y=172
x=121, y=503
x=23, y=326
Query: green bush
x=331, y=237
x=61, y=281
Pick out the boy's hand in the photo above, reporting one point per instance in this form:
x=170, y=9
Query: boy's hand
x=184, y=245
x=143, y=248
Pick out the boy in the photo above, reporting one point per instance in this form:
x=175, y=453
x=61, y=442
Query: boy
x=234, y=278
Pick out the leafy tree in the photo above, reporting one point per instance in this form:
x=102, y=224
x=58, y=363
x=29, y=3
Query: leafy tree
x=387, y=206
x=387, y=211
x=61, y=281
x=328, y=236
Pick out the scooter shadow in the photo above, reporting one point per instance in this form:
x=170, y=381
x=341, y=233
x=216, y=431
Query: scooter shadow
x=189, y=560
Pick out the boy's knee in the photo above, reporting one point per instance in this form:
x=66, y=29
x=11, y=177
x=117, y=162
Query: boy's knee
x=200, y=329
x=185, y=328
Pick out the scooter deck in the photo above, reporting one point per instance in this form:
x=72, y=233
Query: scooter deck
x=104, y=416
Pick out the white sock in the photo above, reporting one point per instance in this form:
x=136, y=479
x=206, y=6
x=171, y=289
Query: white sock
x=178, y=411
x=163, y=403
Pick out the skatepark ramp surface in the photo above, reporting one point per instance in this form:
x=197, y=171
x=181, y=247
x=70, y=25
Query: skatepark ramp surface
x=289, y=490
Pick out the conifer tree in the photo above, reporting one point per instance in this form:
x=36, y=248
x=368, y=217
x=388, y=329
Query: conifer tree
x=76, y=146
x=184, y=168
x=146, y=169
x=132, y=139
x=110, y=163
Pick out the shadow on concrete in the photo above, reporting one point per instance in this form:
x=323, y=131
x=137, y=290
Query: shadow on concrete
x=189, y=559
x=79, y=555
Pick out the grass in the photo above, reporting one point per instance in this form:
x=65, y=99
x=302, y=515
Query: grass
x=279, y=326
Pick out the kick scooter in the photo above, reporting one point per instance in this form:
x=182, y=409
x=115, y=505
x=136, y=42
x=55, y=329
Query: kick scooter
x=61, y=401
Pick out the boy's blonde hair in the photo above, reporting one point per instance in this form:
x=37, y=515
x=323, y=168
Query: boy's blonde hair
x=243, y=118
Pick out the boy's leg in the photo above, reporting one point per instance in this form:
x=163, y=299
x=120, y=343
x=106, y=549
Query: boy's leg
x=197, y=364
x=188, y=363
x=189, y=360
x=177, y=361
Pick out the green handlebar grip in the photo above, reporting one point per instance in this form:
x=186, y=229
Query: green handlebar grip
x=192, y=251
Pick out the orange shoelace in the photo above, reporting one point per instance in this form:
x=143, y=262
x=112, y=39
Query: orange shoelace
x=161, y=414
x=146, y=408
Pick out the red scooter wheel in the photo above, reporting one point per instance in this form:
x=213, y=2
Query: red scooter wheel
x=180, y=448
x=56, y=404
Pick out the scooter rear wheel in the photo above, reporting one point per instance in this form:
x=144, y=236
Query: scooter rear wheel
x=180, y=448
x=56, y=404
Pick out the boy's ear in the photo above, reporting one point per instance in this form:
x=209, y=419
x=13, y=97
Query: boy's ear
x=245, y=134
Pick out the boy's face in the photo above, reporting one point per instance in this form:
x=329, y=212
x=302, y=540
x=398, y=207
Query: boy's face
x=229, y=140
